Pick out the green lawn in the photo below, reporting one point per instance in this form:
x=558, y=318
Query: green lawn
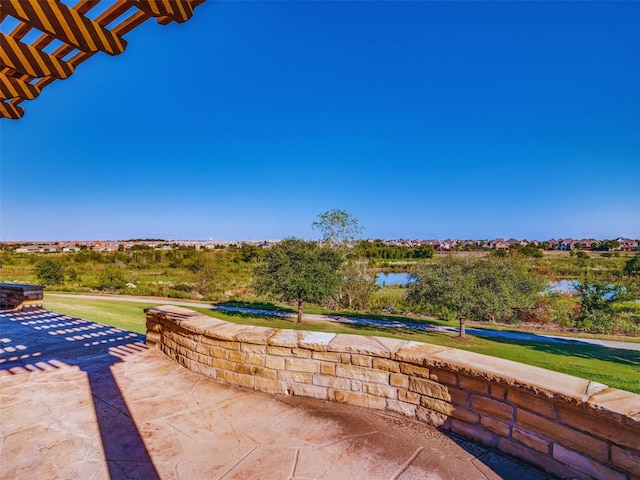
x=613, y=367
x=126, y=315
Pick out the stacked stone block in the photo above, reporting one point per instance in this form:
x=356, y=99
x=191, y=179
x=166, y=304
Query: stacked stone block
x=568, y=426
x=19, y=297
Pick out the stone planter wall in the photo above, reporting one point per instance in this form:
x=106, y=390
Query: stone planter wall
x=568, y=426
x=18, y=297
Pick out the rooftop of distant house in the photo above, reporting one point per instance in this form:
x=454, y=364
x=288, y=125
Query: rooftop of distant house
x=70, y=246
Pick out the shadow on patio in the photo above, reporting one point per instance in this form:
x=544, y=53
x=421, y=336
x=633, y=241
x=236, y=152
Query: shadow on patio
x=39, y=340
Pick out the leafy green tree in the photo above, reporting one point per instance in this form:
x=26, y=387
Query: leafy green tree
x=598, y=295
x=50, y=271
x=632, y=267
x=337, y=227
x=494, y=288
x=358, y=285
x=250, y=253
x=205, y=271
x=73, y=275
x=503, y=287
x=530, y=250
x=140, y=247
x=298, y=271
x=607, y=245
x=423, y=251
x=596, y=301
x=447, y=283
x=378, y=249
x=111, y=278
x=498, y=253
x=6, y=258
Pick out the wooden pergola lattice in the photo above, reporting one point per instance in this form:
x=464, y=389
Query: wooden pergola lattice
x=26, y=68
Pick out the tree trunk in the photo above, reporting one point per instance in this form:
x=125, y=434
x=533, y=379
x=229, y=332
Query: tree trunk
x=300, y=305
x=462, y=322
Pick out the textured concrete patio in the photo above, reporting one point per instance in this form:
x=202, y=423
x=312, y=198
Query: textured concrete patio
x=82, y=400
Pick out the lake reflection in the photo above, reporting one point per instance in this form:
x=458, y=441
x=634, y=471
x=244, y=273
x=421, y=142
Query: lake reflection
x=388, y=279
x=563, y=286
x=403, y=278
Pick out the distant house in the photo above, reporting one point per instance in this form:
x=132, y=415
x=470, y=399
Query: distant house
x=588, y=243
x=470, y=244
x=437, y=244
x=627, y=244
x=512, y=242
x=566, y=244
x=498, y=244
x=447, y=244
x=109, y=247
x=28, y=249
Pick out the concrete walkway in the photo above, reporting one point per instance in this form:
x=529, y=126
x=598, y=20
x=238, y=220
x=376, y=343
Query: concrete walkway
x=79, y=400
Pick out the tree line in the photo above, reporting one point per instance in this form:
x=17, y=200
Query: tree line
x=495, y=288
x=339, y=272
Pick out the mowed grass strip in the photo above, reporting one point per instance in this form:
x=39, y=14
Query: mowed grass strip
x=614, y=367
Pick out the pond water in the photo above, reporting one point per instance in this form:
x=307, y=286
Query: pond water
x=403, y=278
x=563, y=286
x=566, y=286
x=392, y=278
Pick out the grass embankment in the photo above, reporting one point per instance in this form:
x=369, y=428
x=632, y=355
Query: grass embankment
x=613, y=367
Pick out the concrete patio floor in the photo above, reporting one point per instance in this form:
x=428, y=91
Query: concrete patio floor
x=79, y=400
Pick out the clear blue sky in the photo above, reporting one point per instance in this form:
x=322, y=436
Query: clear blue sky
x=421, y=119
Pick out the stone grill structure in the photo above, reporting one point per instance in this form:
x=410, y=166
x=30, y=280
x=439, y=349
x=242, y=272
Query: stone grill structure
x=18, y=297
x=568, y=426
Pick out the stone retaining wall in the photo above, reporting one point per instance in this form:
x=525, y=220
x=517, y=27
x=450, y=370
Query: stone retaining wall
x=567, y=426
x=18, y=297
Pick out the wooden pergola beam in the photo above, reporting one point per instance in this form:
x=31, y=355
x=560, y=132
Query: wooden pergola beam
x=166, y=10
x=13, y=112
x=26, y=69
x=28, y=60
x=65, y=24
x=15, y=88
